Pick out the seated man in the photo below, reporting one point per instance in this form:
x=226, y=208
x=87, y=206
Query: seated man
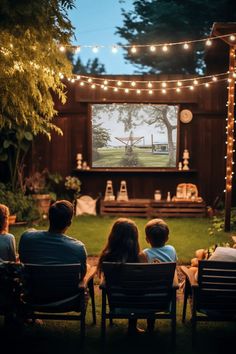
x=53, y=246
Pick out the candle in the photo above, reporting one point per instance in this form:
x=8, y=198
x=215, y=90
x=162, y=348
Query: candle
x=79, y=156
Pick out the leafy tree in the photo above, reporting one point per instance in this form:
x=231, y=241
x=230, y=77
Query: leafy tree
x=31, y=65
x=101, y=136
x=165, y=21
x=91, y=67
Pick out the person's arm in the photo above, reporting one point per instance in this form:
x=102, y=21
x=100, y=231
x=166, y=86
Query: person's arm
x=142, y=257
x=12, y=250
x=83, y=262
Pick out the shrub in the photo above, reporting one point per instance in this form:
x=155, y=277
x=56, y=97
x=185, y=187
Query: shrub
x=22, y=206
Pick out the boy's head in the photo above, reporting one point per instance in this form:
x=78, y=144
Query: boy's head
x=157, y=232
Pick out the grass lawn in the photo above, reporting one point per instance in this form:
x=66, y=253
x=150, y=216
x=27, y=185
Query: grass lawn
x=111, y=157
x=186, y=235
x=62, y=337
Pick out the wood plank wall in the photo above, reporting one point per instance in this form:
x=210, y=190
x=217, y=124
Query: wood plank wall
x=205, y=134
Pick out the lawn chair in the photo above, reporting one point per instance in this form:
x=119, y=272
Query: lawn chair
x=139, y=291
x=54, y=291
x=11, y=276
x=213, y=294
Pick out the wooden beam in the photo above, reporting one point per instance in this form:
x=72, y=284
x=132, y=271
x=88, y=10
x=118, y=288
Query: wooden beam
x=230, y=138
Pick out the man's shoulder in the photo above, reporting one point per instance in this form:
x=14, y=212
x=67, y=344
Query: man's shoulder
x=32, y=233
x=73, y=241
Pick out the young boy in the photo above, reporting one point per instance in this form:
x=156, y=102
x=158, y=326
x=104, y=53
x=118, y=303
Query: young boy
x=157, y=234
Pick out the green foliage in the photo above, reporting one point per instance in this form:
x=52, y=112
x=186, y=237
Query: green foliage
x=91, y=67
x=101, y=136
x=20, y=205
x=30, y=76
x=14, y=145
x=166, y=21
x=73, y=184
x=217, y=223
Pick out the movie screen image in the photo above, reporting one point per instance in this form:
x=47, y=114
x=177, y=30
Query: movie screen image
x=134, y=135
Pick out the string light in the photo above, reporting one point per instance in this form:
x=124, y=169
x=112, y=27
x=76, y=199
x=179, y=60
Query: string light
x=152, y=48
x=133, y=50
x=95, y=49
x=208, y=42
x=114, y=49
x=154, y=85
x=165, y=46
x=186, y=46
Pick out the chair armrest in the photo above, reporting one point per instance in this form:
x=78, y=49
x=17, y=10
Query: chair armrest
x=91, y=271
x=190, y=276
x=175, y=281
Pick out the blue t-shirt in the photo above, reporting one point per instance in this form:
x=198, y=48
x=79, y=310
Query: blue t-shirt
x=7, y=248
x=43, y=247
x=166, y=253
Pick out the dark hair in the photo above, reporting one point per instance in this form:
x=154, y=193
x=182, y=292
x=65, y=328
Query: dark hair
x=122, y=245
x=60, y=214
x=4, y=214
x=157, y=232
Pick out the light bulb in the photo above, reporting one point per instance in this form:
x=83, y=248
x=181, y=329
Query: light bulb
x=95, y=49
x=185, y=46
x=165, y=48
x=208, y=42
x=114, y=49
x=152, y=48
x=133, y=50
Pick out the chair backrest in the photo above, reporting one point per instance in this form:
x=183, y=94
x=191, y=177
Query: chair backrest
x=11, y=278
x=217, y=286
x=46, y=283
x=139, y=285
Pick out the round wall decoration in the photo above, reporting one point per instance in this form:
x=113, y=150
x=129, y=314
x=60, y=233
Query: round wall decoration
x=186, y=116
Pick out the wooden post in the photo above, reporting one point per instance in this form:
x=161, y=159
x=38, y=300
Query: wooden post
x=230, y=139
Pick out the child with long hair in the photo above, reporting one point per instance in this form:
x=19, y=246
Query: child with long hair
x=7, y=240
x=122, y=246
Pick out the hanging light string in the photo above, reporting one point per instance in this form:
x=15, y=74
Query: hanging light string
x=149, y=86
x=230, y=123
x=152, y=47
